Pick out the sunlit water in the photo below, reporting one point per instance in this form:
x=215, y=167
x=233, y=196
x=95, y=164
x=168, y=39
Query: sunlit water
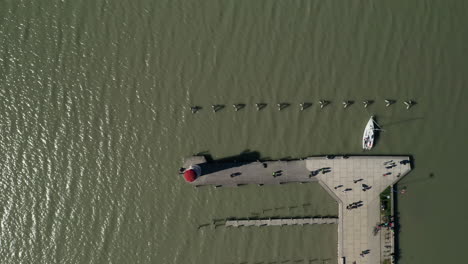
x=95, y=121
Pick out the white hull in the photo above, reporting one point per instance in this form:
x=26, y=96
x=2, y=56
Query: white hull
x=368, y=137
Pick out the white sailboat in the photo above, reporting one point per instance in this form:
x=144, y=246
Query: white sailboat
x=368, y=137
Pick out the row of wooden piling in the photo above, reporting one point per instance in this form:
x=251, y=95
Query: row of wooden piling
x=302, y=106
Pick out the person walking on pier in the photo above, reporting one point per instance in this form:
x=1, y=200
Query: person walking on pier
x=277, y=173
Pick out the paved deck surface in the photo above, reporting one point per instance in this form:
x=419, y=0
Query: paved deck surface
x=240, y=173
x=355, y=230
x=281, y=222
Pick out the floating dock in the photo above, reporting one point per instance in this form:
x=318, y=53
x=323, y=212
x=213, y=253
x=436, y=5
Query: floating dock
x=349, y=180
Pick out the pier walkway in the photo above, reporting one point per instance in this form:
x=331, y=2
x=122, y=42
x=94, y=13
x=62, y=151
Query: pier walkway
x=240, y=173
x=281, y=222
x=356, y=226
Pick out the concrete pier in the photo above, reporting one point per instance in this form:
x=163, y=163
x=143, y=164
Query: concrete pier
x=356, y=226
x=349, y=180
x=240, y=173
x=281, y=222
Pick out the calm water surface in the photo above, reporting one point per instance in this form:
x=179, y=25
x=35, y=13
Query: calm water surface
x=94, y=123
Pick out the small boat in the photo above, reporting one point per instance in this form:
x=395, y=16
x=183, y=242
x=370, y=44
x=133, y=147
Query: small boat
x=368, y=137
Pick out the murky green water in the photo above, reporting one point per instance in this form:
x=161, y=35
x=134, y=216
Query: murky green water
x=94, y=123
